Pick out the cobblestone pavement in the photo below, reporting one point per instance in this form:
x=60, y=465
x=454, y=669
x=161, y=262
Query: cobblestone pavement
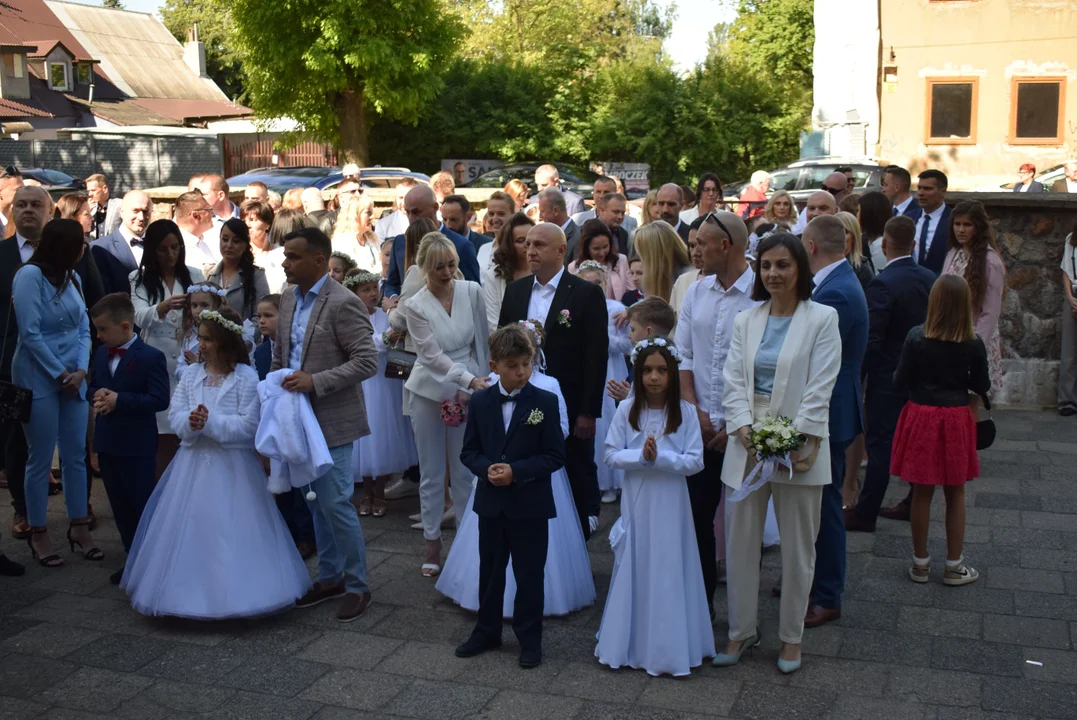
x=71, y=647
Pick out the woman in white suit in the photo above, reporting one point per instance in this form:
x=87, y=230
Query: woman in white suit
x=783, y=360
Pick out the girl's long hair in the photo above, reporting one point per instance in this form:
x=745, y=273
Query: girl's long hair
x=595, y=228
x=949, y=310
x=662, y=252
x=246, y=266
x=149, y=275
x=673, y=390
x=505, y=246
x=58, y=253
x=977, y=248
x=231, y=349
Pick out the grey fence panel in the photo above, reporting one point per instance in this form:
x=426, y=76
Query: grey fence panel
x=70, y=156
x=19, y=153
x=182, y=157
x=128, y=163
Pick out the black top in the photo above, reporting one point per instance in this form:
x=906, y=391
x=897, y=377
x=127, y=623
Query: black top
x=940, y=373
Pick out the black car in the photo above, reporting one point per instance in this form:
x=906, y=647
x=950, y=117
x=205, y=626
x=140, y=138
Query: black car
x=573, y=177
x=804, y=177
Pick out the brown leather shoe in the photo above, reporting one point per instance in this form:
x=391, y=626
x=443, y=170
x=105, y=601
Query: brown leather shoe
x=319, y=594
x=19, y=527
x=901, y=511
x=353, y=606
x=306, y=550
x=855, y=523
x=817, y=616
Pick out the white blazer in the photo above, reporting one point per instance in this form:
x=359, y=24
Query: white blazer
x=807, y=370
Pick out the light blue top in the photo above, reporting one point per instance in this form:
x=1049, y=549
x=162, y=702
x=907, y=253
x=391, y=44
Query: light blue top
x=304, y=304
x=766, y=358
x=54, y=332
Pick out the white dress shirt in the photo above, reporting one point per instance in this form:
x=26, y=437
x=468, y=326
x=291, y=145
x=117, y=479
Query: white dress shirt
x=114, y=361
x=935, y=217
x=392, y=225
x=704, y=333
x=26, y=250
x=902, y=206
x=199, y=253
x=508, y=407
x=538, y=307
x=802, y=222
x=134, y=242
x=823, y=272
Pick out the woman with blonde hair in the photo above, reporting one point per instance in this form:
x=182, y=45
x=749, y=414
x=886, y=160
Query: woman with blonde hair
x=781, y=210
x=650, y=208
x=354, y=235
x=446, y=321
x=854, y=249
x=664, y=258
x=518, y=191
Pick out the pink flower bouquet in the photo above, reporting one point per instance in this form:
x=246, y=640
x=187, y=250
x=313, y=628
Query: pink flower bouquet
x=453, y=413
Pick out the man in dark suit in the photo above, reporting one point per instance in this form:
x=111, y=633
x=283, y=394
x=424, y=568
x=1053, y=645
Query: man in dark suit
x=456, y=215
x=1067, y=183
x=420, y=203
x=933, y=224
x=897, y=302
x=553, y=210
x=897, y=186
x=669, y=199
x=1028, y=182
x=125, y=242
x=837, y=286
x=547, y=176
x=512, y=443
x=573, y=311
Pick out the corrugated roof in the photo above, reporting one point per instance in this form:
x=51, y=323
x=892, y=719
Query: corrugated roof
x=123, y=112
x=22, y=21
x=190, y=110
x=13, y=109
x=136, y=52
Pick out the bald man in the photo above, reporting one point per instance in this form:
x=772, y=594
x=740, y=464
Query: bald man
x=820, y=203
x=547, y=176
x=420, y=203
x=125, y=243
x=835, y=184
x=669, y=199
x=573, y=311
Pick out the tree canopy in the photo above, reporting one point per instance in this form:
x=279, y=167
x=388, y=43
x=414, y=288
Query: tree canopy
x=216, y=33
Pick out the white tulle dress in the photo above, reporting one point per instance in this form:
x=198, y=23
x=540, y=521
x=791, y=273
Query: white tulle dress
x=616, y=369
x=211, y=543
x=656, y=616
x=390, y=446
x=568, y=583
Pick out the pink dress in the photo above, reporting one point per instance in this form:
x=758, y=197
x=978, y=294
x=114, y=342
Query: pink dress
x=986, y=322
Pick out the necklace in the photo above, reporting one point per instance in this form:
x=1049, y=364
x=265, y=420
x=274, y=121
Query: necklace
x=446, y=303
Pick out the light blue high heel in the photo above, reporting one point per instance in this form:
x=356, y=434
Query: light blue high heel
x=725, y=660
x=787, y=667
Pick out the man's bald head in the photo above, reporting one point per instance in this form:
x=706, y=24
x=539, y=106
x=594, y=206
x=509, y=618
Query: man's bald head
x=312, y=200
x=545, y=250
x=824, y=239
x=547, y=176
x=668, y=199
x=837, y=185
x=420, y=203
x=822, y=203
x=135, y=212
x=31, y=210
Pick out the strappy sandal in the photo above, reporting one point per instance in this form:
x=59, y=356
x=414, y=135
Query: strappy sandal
x=364, y=507
x=430, y=570
x=94, y=554
x=50, y=561
x=379, y=509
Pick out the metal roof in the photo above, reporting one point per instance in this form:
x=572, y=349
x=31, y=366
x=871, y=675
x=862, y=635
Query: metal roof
x=31, y=22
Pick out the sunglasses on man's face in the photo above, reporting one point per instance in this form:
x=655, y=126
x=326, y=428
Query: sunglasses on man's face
x=833, y=191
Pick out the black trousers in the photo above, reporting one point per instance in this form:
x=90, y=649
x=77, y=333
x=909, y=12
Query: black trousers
x=526, y=543
x=705, y=494
x=17, y=452
x=129, y=482
x=883, y=408
x=583, y=478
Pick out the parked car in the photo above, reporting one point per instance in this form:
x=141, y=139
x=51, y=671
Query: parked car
x=803, y=177
x=55, y=183
x=573, y=177
x=323, y=177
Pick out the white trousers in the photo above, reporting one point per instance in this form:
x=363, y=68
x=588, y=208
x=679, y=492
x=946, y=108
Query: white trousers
x=797, y=509
x=436, y=441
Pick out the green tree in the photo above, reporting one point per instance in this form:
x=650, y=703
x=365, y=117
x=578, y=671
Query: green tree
x=334, y=66
x=114, y=4
x=775, y=37
x=216, y=32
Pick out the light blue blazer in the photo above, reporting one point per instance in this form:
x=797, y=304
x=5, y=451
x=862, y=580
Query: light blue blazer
x=54, y=333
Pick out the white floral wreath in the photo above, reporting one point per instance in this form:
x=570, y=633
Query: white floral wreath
x=591, y=265
x=532, y=327
x=348, y=259
x=219, y=292
x=656, y=342
x=353, y=281
x=222, y=321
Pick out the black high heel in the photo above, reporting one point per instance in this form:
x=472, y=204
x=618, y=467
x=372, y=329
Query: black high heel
x=94, y=554
x=51, y=561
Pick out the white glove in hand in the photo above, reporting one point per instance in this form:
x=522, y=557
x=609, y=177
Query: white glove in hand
x=592, y=522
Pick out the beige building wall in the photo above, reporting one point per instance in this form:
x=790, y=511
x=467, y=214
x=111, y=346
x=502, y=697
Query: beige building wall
x=990, y=45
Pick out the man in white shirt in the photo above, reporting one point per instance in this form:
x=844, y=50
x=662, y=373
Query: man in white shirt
x=933, y=226
x=897, y=183
x=396, y=222
x=547, y=176
x=552, y=209
x=105, y=209
x=193, y=215
x=704, y=333
x=215, y=189
x=31, y=209
x=125, y=242
x=256, y=191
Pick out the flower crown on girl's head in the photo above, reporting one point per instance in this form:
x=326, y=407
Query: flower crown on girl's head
x=345, y=257
x=591, y=265
x=362, y=278
x=222, y=321
x=535, y=328
x=211, y=289
x=656, y=342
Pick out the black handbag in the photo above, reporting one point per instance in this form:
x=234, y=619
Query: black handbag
x=398, y=364
x=985, y=428
x=15, y=401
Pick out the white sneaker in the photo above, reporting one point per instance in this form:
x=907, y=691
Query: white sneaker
x=609, y=496
x=417, y=517
x=401, y=488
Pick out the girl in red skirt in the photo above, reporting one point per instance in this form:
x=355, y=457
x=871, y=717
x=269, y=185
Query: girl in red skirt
x=942, y=362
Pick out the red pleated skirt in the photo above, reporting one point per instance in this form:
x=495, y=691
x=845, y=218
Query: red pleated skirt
x=935, y=445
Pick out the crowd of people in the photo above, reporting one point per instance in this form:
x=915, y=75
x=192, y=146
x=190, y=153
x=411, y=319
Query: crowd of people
x=515, y=369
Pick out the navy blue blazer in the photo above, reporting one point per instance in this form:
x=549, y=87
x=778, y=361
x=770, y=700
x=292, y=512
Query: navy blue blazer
x=263, y=358
x=1033, y=187
x=142, y=389
x=469, y=263
x=841, y=290
x=114, y=276
x=940, y=244
x=477, y=240
x=533, y=451
x=897, y=302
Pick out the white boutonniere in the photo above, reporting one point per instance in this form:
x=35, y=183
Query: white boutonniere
x=535, y=417
x=565, y=319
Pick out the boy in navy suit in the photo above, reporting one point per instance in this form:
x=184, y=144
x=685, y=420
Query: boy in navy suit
x=128, y=389
x=512, y=443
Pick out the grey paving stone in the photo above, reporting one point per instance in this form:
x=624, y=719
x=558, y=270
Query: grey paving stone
x=1049, y=559
x=15, y=597
x=268, y=675
x=592, y=681
x=825, y=641
x=111, y=616
x=251, y=706
x=567, y=643
x=424, y=660
x=1060, y=475
x=122, y=653
x=1048, y=521
x=758, y=701
x=1007, y=502
x=1066, y=506
x=59, y=713
x=985, y=556
x=938, y=622
x=141, y=708
x=871, y=588
x=703, y=692
x=1027, y=631
x=962, y=713
x=1059, y=666
x=414, y=624
x=12, y=625
x=890, y=647
x=530, y=706
x=500, y=669
x=76, y=579
x=329, y=712
x=355, y=689
x=166, y=698
x=849, y=707
x=437, y=700
x=855, y=677
x=934, y=686
x=196, y=632
x=1064, y=448
x=868, y=615
x=611, y=711
x=24, y=676
x=95, y=690
x=1049, y=700
x=12, y=708
x=325, y=616
x=277, y=637
x=1045, y=605
x=349, y=649
x=194, y=664
x=976, y=656
x=47, y=640
x=1026, y=538
x=1049, y=581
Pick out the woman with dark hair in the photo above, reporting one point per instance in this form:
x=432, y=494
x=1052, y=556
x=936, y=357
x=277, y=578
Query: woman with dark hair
x=159, y=293
x=708, y=196
x=258, y=216
x=598, y=244
x=509, y=263
x=236, y=272
x=75, y=206
x=51, y=359
x=975, y=256
x=284, y=222
x=875, y=210
x=783, y=360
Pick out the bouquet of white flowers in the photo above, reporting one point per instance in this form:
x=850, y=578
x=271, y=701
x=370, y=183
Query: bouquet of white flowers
x=774, y=437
